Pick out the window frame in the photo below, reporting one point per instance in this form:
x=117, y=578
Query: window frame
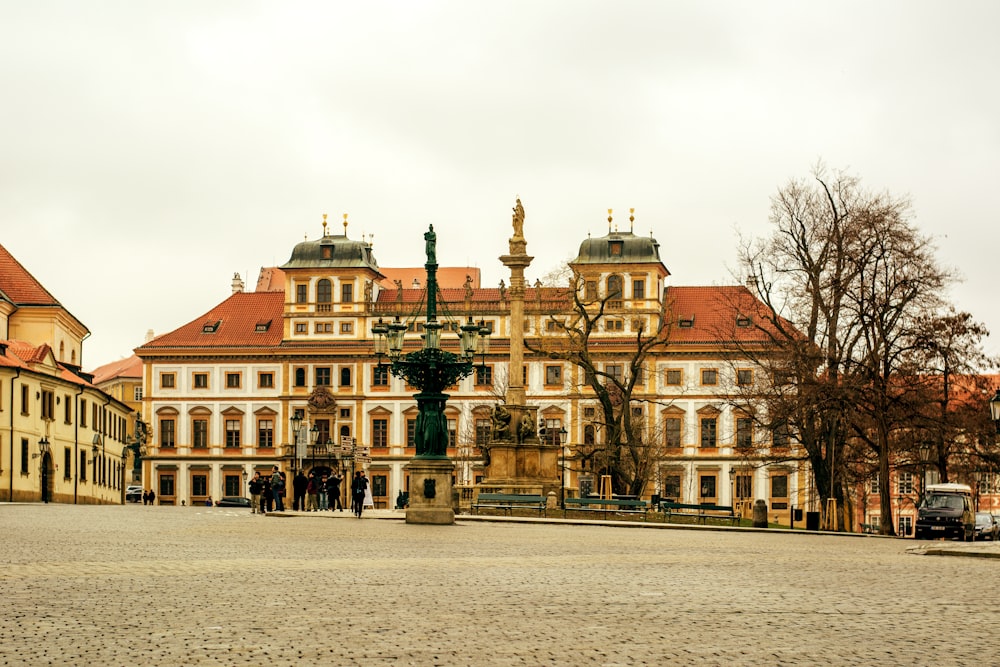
x=233, y=430
x=708, y=431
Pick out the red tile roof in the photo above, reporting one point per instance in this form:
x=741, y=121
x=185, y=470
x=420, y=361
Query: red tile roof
x=232, y=323
x=271, y=279
x=18, y=286
x=123, y=368
x=715, y=315
x=21, y=354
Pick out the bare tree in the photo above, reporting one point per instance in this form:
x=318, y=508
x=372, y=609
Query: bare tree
x=843, y=276
x=949, y=358
x=629, y=452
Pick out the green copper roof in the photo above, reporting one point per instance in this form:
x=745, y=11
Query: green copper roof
x=332, y=252
x=619, y=248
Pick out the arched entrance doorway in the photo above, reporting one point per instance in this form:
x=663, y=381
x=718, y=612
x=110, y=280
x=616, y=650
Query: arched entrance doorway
x=47, y=478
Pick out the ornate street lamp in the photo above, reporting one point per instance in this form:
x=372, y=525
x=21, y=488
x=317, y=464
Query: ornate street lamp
x=430, y=369
x=995, y=409
x=296, y=421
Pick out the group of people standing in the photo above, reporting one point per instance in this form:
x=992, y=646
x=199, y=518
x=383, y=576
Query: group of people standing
x=314, y=493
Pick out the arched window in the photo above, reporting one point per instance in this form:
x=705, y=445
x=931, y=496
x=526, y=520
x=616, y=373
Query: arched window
x=589, y=434
x=324, y=292
x=614, y=287
x=300, y=377
x=345, y=377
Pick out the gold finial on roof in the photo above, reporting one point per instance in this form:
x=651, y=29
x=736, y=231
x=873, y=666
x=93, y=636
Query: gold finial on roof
x=345, y=224
x=324, y=224
x=609, y=220
x=631, y=219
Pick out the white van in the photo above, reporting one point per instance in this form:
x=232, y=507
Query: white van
x=946, y=511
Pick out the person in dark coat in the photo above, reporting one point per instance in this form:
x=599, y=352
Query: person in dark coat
x=266, y=498
x=358, y=487
x=299, y=486
x=333, y=492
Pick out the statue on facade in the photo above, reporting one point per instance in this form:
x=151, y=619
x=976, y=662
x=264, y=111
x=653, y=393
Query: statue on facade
x=468, y=286
x=503, y=290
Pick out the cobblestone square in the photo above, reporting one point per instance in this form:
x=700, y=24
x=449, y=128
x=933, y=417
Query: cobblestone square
x=136, y=585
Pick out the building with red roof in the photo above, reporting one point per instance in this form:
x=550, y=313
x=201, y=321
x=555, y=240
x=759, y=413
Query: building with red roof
x=62, y=438
x=220, y=392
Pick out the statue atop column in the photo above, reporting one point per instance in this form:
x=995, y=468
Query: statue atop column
x=518, y=220
x=430, y=244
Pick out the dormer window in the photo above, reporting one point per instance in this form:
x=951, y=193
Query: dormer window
x=686, y=322
x=262, y=326
x=615, y=248
x=742, y=321
x=211, y=327
x=327, y=252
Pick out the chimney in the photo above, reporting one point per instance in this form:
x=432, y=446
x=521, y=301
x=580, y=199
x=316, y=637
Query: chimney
x=416, y=283
x=237, y=284
x=149, y=335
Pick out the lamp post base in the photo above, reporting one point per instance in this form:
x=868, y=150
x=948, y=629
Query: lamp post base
x=431, y=491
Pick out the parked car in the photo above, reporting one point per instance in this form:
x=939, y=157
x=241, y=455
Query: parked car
x=986, y=526
x=233, y=501
x=133, y=494
x=946, y=511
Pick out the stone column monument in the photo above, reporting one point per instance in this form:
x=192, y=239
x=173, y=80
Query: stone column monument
x=519, y=461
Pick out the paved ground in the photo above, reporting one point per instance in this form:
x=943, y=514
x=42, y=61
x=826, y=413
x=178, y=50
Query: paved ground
x=147, y=586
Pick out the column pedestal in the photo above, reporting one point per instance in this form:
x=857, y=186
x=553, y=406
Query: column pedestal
x=430, y=491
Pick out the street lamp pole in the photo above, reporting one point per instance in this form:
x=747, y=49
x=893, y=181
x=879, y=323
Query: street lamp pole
x=296, y=421
x=430, y=370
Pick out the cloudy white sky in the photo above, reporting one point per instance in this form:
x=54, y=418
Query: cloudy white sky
x=149, y=150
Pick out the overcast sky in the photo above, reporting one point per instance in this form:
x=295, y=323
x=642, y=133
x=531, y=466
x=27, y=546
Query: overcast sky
x=149, y=150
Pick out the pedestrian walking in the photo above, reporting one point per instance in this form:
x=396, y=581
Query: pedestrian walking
x=333, y=492
x=152, y=497
x=255, y=487
x=359, y=486
x=277, y=489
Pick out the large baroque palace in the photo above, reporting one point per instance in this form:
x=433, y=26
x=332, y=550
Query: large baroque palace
x=220, y=392
x=62, y=439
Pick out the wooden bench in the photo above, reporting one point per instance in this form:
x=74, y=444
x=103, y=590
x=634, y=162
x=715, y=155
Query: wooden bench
x=702, y=513
x=508, y=502
x=615, y=506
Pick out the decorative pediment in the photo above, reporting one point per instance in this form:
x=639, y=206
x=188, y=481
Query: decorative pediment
x=199, y=410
